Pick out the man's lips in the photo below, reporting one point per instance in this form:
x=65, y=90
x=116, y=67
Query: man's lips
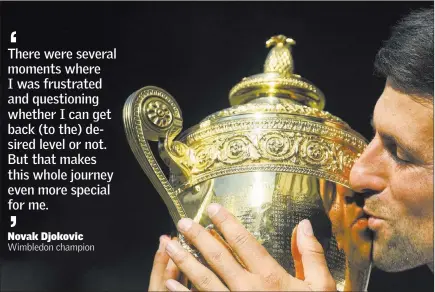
x=370, y=214
x=374, y=221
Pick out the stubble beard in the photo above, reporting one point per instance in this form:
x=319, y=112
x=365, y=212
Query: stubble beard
x=395, y=248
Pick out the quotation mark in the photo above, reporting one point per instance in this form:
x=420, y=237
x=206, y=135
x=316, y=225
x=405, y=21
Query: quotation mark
x=13, y=221
x=13, y=37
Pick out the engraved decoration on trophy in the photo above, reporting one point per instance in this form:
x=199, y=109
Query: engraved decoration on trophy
x=273, y=159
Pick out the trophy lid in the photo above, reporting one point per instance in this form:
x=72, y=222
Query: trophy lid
x=278, y=79
x=276, y=91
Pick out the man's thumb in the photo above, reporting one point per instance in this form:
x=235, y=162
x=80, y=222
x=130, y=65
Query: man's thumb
x=316, y=271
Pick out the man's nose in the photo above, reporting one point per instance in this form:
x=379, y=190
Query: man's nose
x=368, y=172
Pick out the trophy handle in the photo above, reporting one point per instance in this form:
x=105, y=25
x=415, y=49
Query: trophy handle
x=152, y=114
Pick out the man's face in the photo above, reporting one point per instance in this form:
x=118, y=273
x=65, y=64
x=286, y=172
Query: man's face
x=396, y=174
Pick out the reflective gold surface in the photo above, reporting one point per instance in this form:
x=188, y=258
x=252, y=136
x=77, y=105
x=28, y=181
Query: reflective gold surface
x=273, y=159
x=271, y=204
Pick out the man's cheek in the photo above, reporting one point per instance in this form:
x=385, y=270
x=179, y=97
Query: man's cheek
x=414, y=199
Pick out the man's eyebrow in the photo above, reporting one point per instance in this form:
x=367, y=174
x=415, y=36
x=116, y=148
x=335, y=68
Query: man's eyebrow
x=411, y=151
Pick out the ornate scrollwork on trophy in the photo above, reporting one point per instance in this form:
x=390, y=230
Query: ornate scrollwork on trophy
x=158, y=112
x=300, y=146
x=315, y=151
x=205, y=157
x=155, y=114
x=237, y=149
x=278, y=146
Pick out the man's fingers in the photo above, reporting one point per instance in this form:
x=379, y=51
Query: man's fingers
x=172, y=271
x=296, y=255
x=215, y=253
x=173, y=285
x=316, y=271
x=200, y=276
x=251, y=252
x=160, y=263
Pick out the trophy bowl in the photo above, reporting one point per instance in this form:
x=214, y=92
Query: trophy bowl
x=272, y=159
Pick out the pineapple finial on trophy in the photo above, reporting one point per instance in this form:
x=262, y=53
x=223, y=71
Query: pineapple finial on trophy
x=277, y=80
x=280, y=59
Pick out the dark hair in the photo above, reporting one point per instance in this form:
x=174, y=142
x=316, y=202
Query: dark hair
x=406, y=59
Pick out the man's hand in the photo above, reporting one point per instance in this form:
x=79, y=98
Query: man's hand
x=163, y=267
x=262, y=272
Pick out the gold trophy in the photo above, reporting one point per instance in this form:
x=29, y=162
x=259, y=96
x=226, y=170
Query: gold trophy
x=273, y=159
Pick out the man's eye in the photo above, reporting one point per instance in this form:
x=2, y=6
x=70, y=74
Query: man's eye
x=402, y=157
x=396, y=154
